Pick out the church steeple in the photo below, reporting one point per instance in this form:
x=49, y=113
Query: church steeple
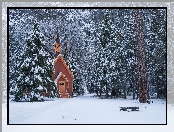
x=57, y=45
x=57, y=36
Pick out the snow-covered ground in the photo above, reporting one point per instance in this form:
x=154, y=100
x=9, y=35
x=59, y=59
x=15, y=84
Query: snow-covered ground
x=84, y=110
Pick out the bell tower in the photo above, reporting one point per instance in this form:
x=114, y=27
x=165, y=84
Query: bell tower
x=57, y=45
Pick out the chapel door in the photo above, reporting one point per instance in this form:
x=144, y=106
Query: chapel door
x=62, y=86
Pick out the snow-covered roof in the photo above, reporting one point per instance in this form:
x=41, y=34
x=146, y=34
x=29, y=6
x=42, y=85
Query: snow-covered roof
x=64, y=63
x=59, y=75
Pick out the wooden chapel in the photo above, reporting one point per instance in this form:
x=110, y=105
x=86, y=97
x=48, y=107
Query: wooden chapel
x=62, y=76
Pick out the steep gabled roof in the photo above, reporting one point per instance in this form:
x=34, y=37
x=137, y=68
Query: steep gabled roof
x=64, y=63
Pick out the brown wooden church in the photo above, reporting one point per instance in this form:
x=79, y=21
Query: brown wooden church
x=63, y=77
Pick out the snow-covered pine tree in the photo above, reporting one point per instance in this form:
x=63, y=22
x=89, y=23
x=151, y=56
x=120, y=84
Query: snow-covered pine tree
x=16, y=43
x=128, y=54
x=105, y=38
x=156, y=50
x=13, y=58
x=71, y=38
x=36, y=67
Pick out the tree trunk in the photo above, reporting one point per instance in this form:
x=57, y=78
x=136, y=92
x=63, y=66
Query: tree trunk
x=133, y=93
x=117, y=91
x=141, y=58
x=157, y=84
x=133, y=90
x=106, y=93
x=124, y=88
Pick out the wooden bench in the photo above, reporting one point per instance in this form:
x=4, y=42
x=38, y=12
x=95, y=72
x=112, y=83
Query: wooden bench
x=133, y=108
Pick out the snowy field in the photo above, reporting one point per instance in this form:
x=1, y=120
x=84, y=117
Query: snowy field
x=87, y=110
